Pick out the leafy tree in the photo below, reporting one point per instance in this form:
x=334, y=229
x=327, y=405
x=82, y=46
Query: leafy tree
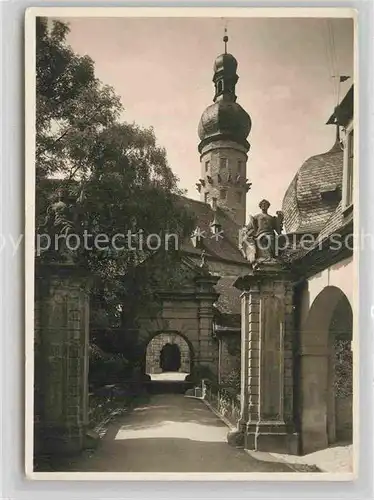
x=97, y=175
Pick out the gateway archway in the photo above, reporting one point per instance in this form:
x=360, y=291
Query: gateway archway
x=168, y=355
x=326, y=371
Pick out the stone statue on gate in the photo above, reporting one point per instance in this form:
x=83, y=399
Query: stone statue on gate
x=257, y=239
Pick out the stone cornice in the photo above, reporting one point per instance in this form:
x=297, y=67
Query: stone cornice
x=274, y=272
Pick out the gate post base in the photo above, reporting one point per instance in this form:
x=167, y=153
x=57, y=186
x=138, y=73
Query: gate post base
x=273, y=438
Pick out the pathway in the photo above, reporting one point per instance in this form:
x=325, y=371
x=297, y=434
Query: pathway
x=169, y=376
x=171, y=433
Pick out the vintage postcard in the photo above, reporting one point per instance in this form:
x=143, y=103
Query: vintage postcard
x=190, y=270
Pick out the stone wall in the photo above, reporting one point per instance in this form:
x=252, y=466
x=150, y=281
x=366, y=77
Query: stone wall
x=189, y=315
x=191, y=320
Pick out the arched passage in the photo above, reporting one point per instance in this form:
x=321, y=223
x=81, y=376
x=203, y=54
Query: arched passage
x=326, y=371
x=170, y=358
x=168, y=352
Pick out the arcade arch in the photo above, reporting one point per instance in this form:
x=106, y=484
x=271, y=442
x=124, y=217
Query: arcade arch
x=326, y=371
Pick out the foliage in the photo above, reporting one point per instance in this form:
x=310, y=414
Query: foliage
x=343, y=368
x=105, y=407
x=201, y=372
x=232, y=381
x=97, y=175
x=234, y=346
x=108, y=369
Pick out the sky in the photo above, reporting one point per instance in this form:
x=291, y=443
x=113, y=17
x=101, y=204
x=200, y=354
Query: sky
x=162, y=69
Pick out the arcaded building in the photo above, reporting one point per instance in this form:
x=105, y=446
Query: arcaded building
x=319, y=202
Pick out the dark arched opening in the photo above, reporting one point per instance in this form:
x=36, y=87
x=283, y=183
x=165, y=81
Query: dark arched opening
x=168, y=355
x=170, y=358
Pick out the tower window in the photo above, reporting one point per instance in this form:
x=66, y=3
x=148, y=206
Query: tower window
x=207, y=165
x=223, y=194
x=220, y=86
x=240, y=166
x=239, y=196
x=223, y=163
x=206, y=197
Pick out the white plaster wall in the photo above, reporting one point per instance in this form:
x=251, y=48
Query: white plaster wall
x=340, y=275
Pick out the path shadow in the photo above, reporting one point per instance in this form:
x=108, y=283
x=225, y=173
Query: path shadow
x=170, y=455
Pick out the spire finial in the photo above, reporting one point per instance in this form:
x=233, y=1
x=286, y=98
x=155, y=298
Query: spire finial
x=225, y=39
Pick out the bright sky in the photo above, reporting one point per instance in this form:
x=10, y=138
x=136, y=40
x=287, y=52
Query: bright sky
x=162, y=70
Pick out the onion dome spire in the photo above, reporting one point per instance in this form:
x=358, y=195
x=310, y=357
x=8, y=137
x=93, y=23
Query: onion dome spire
x=225, y=119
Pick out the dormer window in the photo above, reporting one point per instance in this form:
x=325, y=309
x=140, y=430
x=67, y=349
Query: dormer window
x=331, y=193
x=207, y=165
x=206, y=199
x=348, y=168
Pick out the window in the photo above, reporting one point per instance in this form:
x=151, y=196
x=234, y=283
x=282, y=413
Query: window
x=220, y=86
x=239, y=196
x=223, y=163
x=206, y=197
x=348, y=168
x=207, y=165
x=240, y=166
x=223, y=194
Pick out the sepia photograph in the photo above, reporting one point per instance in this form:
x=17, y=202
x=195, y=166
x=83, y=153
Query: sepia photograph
x=191, y=274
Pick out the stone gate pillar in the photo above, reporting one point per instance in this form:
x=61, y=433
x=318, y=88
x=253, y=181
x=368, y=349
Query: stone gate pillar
x=207, y=350
x=267, y=422
x=62, y=372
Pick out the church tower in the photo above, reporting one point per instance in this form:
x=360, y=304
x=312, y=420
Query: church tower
x=223, y=130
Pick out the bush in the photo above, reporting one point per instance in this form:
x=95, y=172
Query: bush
x=111, y=370
x=232, y=381
x=201, y=372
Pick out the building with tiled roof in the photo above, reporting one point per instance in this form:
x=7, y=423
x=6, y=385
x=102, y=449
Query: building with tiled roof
x=314, y=192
